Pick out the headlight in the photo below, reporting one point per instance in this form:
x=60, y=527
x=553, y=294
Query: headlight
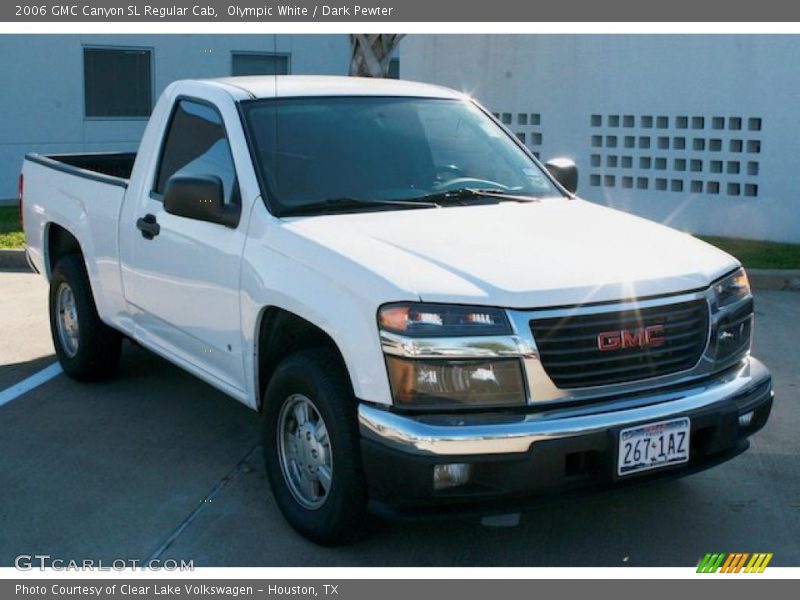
x=733, y=318
x=732, y=288
x=471, y=373
x=438, y=320
x=435, y=384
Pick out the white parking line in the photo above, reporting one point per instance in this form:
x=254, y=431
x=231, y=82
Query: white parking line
x=26, y=385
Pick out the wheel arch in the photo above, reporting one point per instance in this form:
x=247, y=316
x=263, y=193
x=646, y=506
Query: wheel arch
x=281, y=333
x=60, y=242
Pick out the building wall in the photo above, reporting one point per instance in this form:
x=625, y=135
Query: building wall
x=41, y=107
x=602, y=100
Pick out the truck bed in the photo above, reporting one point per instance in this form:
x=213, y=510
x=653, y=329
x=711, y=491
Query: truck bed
x=82, y=193
x=109, y=167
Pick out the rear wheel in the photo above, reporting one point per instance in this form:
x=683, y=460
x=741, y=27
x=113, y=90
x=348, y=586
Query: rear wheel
x=311, y=448
x=87, y=348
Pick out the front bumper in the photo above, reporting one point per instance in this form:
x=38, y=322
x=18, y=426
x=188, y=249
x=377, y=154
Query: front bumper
x=518, y=456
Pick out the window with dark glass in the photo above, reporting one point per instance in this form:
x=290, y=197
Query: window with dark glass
x=394, y=69
x=117, y=82
x=196, y=145
x=260, y=63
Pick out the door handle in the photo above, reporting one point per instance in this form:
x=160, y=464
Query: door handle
x=148, y=226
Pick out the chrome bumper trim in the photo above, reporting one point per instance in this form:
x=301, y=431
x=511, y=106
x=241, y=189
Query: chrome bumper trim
x=480, y=347
x=421, y=436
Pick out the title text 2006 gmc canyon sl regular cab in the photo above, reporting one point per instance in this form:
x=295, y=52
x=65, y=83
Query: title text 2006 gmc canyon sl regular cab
x=424, y=315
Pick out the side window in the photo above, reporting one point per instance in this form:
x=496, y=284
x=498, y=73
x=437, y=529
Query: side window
x=196, y=144
x=259, y=63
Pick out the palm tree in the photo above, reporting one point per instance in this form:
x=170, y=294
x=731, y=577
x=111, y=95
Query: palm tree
x=370, y=54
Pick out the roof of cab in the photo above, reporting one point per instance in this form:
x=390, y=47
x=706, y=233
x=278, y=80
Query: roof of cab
x=289, y=86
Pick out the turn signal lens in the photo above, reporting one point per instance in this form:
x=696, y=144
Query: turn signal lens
x=437, y=320
x=456, y=383
x=394, y=318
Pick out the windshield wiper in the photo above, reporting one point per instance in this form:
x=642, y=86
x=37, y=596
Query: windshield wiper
x=346, y=203
x=461, y=194
x=330, y=205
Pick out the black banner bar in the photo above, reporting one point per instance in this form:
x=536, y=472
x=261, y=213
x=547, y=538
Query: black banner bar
x=728, y=587
x=393, y=11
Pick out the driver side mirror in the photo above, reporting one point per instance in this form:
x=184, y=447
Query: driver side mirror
x=565, y=172
x=200, y=197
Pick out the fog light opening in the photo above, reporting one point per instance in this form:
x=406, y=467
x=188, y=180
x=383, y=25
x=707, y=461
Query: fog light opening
x=746, y=419
x=451, y=475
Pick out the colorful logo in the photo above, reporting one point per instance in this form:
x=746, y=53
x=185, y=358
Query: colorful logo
x=734, y=562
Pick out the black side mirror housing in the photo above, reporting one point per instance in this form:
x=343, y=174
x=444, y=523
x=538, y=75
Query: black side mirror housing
x=565, y=172
x=200, y=197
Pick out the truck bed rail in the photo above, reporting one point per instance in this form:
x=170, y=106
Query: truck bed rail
x=108, y=167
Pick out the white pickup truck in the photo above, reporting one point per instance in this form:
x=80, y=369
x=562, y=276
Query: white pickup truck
x=425, y=316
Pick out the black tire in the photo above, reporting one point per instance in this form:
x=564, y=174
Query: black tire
x=98, y=349
x=319, y=376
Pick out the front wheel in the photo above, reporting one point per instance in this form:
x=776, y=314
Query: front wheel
x=87, y=348
x=311, y=448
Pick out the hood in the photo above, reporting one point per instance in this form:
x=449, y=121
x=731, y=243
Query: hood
x=518, y=255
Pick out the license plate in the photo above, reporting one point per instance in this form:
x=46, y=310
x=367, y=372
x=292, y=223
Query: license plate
x=653, y=445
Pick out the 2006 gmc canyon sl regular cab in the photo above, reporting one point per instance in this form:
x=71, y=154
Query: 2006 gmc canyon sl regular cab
x=425, y=316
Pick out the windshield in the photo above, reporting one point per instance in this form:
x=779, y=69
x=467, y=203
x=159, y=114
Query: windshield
x=315, y=150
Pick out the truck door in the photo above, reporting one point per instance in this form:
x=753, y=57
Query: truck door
x=181, y=275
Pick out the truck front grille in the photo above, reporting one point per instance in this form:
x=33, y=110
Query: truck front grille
x=574, y=355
